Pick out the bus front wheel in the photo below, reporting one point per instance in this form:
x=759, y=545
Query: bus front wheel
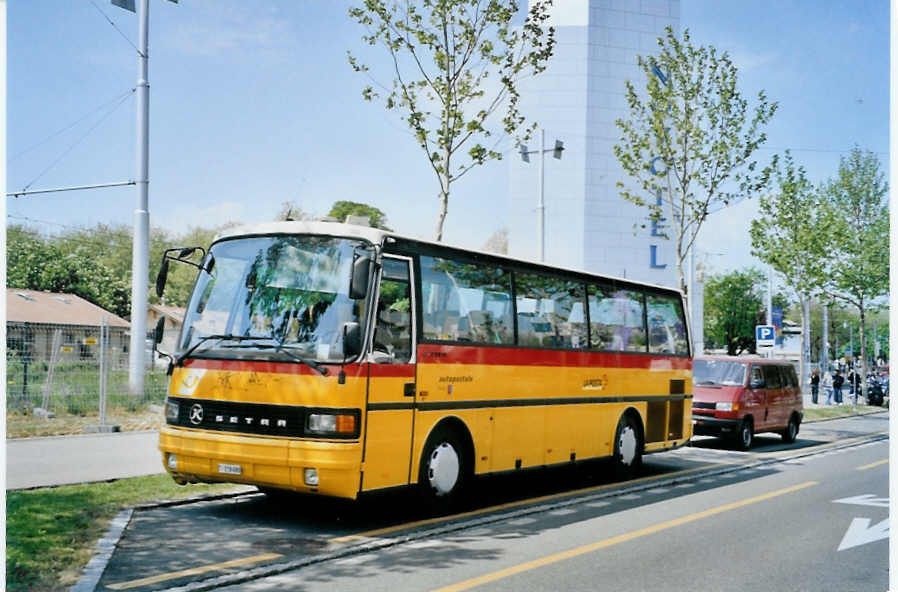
x=444, y=470
x=627, y=446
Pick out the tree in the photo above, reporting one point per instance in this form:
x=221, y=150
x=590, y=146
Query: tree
x=341, y=209
x=688, y=144
x=497, y=242
x=789, y=235
x=443, y=53
x=856, y=212
x=290, y=211
x=732, y=305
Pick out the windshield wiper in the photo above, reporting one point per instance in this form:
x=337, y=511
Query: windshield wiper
x=206, y=338
x=279, y=349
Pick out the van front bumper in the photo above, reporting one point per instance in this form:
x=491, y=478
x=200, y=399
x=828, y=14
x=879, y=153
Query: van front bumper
x=704, y=425
x=202, y=456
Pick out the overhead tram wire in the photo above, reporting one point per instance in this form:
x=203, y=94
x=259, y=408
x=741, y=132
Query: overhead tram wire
x=78, y=141
x=73, y=124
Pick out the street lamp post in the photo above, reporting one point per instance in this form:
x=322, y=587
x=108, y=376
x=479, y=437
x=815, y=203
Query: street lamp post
x=541, y=204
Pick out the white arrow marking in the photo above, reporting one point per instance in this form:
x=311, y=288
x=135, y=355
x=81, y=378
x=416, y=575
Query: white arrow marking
x=865, y=500
x=860, y=533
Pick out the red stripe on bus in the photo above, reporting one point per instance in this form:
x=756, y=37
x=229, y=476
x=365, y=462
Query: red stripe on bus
x=513, y=356
x=392, y=370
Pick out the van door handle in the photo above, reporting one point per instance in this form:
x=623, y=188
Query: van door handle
x=409, y=389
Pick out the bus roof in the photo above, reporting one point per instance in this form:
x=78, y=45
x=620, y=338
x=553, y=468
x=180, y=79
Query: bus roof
x=377, y=236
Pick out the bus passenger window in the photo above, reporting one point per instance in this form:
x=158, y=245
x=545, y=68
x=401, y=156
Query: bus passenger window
x=667, y=325
x=466, y=301
x=615, y=319
x=550, y=312
x=393, y=331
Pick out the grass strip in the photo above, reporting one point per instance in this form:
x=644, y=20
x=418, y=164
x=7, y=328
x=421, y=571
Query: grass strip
x=833, y=411
x=51, y=532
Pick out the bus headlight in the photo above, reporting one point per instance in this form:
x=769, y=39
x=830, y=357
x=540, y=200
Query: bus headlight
x=344, y=424
x=171, y=410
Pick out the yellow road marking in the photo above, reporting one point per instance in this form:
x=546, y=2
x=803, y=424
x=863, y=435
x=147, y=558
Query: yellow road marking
x=398, y=527
x=871, y=465
x=530, y=565
x=195, y=571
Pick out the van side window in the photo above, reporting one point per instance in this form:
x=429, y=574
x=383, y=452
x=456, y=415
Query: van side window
x=790, y=377
x=757, y=377
x=772, y=377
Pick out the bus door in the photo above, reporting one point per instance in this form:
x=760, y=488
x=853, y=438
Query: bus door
x=391, y=380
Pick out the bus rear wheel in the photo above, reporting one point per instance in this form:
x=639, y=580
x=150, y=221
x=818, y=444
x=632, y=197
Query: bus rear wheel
x=628, y=447
x=444, y=471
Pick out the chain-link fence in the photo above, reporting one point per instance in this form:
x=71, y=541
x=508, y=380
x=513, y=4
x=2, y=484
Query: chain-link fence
x=64, y=369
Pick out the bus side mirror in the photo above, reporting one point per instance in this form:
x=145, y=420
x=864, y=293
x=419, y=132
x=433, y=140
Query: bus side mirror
x=162, y=276
x=160, y=331
x=352, y=339
x=358, y=282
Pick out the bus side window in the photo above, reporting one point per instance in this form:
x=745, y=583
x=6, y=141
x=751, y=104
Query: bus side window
x=616, y=319
x=550, y=312
x=469, y=302
x=667, y=325
x=393, y=329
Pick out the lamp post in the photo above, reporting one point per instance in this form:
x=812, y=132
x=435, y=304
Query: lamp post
x=541, y=204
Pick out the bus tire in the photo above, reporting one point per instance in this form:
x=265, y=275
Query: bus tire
x=628, y=446
x=444, y=472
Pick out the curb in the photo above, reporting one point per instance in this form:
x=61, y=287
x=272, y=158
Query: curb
x=92, y=573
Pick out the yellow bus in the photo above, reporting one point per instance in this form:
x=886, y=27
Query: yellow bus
x=337, y=360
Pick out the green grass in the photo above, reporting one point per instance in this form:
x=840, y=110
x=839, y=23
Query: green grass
x=829, y=412
x=51, y=532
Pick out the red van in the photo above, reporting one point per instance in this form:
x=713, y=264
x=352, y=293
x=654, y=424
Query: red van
x=739, y=397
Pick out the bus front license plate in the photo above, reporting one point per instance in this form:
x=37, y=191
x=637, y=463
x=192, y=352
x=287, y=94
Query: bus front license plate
x=230, y=469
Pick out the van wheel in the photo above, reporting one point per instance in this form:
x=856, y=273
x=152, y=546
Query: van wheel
x=791, y=431
x=444, y=471
x=627, y=447
x=746, y=434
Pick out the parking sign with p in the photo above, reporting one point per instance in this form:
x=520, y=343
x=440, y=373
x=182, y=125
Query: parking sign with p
x=765, y=335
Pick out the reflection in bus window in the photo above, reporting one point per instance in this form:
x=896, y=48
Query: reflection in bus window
x=667, y=325
x=550, y=312
x=616, y=319
x=466, y=302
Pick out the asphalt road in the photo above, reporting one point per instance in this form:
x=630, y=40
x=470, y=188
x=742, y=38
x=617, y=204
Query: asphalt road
x=704, y=517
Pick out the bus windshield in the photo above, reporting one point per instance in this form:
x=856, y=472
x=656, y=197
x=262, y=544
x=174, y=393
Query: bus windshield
x=720, y=372
x=275, y=294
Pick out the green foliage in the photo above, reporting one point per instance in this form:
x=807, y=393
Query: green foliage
x=444, y=53
x=689, y=140
x=341, y=209
x=733, y=303
x=50, y=532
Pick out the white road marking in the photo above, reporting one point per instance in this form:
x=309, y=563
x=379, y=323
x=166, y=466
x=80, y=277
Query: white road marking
x=860, y=533
x=868, y=499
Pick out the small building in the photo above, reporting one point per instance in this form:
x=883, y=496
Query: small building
x=36, y=321
x=174, y=318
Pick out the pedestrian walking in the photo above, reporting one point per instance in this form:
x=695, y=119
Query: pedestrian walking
x=815, y=385
x=838, y=381
x=828, y=387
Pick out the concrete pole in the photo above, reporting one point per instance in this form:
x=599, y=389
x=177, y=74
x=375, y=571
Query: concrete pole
x=770, y=304
x=541, y=207
x=140, y=261
x=824, y=342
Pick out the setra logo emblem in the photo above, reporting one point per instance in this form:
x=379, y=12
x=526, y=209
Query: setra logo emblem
x=196, y=414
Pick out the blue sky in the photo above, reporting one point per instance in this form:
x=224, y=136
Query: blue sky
x=254, y=104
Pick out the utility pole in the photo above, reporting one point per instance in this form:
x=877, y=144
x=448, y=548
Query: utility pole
x=770, y=304
x=140, y=260
x=541, y=204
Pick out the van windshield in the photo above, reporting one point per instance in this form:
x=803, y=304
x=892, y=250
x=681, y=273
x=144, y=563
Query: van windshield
x=722, y=372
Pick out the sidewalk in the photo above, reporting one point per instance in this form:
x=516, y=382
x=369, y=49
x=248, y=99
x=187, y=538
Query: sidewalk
x=61, y=460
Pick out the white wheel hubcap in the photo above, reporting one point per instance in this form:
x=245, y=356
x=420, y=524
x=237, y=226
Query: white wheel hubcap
x=442, y=470
x=627, y=445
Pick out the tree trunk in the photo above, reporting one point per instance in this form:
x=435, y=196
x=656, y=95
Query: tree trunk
x=805, y=365
x=824, y=342
x=444, y=195
x=863, y=356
